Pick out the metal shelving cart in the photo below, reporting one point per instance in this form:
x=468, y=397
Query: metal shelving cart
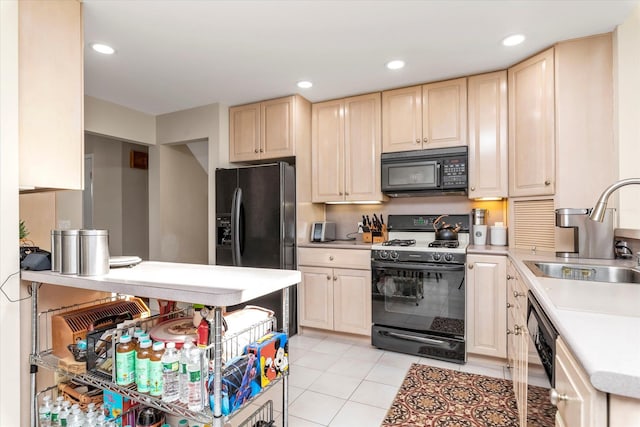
x=213, y=286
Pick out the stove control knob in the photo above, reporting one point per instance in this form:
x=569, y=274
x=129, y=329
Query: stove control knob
x=448, y=257
x=394, y=255
x=383, y=254
x=436, y=256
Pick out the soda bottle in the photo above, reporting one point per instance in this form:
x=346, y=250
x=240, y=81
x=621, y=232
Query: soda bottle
x=155, y=369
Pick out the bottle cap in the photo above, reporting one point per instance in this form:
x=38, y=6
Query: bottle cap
x=158, y=345
x=145, y=343
x=125, y=338
x=171, y=344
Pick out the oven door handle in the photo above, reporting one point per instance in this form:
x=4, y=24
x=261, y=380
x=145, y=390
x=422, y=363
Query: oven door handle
x=426, y=267
x=422, y=340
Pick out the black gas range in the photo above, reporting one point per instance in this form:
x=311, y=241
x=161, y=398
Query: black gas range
x=418, y=288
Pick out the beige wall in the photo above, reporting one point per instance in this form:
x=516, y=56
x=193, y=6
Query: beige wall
x=11, y=363
x=135, y=205
x=627, y=55
x=106, y=118
x=178, y=206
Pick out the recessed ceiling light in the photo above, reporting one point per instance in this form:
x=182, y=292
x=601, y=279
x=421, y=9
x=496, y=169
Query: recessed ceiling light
x=395, y=64
x=103, y=48
x=513, y=40
x=305, y=84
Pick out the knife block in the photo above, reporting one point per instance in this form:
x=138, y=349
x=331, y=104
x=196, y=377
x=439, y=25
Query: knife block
x=376, y=236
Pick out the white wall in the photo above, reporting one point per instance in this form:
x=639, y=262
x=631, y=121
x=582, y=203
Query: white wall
x=627, y=55
x=10, y=366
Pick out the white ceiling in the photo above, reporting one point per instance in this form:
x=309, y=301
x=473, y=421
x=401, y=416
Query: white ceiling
x=172, y=55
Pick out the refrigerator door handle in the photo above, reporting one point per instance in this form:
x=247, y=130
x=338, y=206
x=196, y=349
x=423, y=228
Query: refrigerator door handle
x=235, y=227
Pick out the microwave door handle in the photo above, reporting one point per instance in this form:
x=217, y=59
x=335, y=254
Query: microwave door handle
x=438, y=175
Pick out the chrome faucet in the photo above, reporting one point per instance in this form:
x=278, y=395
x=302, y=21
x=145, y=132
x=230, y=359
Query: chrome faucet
x=597, y=213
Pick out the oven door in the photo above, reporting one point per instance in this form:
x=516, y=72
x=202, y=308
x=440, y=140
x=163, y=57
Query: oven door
x=426, y=298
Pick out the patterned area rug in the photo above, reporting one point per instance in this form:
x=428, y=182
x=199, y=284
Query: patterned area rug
x=431, y=396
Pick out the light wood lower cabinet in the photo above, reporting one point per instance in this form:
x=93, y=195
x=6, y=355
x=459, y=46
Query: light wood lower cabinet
x=335, y=298
x=486, y=305
x=518, y=338
x=579, y=404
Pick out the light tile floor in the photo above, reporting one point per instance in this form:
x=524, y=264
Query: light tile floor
x=340, y=381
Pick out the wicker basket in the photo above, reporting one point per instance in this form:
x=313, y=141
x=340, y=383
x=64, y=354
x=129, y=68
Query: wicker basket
x=70, y=392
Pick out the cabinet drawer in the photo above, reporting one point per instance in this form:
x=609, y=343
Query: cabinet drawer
x=341, y=258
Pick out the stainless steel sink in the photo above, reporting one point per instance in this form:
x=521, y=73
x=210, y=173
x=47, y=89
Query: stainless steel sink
x=589, y=272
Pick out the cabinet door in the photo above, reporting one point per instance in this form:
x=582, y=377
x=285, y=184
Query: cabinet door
x=315, y=306
x=402, y=119
x=352, y=301
x=50, y=101
x=362, y=148
x=488, y=167
x=277, y=128
x=244, y=133
x=486, y=305
x=532, y=126
x=327, y=148
x=580, y=404
x=444, y=114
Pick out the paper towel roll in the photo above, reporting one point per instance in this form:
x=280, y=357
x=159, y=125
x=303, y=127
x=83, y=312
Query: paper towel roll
x=498, y=236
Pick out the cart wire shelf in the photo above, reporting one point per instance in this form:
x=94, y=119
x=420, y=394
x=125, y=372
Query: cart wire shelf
x=233, y=345
x=263, y=416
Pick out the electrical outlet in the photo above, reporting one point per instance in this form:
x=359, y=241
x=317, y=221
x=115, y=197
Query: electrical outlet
x=359, y=227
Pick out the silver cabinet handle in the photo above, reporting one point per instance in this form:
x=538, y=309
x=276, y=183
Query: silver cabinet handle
x=328, y=277
x=517, y=294
x=470, y=266
x=473, y=188
x=509, y=277
x=335, y=278
x=555, y=397
x=255, y=151
x=418, y=141
x=425, y=140
x=330, y=257
x=346, y=194
x=509, y=305
x=516, y=330
x=547, y=182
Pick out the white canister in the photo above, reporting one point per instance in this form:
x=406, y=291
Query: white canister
x=69, y=249
x=498, y=235
x=480, y=235
x=94, y=252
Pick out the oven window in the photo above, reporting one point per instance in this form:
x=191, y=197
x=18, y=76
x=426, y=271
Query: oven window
x=426, y=300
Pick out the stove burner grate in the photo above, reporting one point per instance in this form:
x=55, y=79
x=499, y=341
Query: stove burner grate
x=444, y=244
x=399, y=242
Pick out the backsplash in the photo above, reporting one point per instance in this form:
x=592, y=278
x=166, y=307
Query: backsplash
x=347, y=216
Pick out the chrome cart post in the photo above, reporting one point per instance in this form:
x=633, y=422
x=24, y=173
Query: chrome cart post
x=285, y=380
x=217, y=367
x=35, y=338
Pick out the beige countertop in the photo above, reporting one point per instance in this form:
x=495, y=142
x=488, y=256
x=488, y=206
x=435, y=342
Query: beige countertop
x=337, y=244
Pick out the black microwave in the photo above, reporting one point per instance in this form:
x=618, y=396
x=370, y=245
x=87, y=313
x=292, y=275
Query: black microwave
x=436, y=171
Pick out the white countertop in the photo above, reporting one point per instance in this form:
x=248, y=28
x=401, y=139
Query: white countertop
x=205, y=284
x=337, y=244
x=600, y=322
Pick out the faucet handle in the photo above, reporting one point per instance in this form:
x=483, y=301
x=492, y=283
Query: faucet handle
x=622, y=250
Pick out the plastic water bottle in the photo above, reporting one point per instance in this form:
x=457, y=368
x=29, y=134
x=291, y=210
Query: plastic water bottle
x=55, y=411
x=64, y=413
x=76, y=419
x=183, y=378
x=44, y=412
x=170, y=372
x=194, y=373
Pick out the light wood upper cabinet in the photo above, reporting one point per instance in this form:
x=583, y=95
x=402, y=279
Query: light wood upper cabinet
x=428, y=116
x=345, y=140
x=486, y=305
x=269, y=129
x=51, y=87
x=532, y=126
x=488, y=144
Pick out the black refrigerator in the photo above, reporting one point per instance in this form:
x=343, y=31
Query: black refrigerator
x=256, y=226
